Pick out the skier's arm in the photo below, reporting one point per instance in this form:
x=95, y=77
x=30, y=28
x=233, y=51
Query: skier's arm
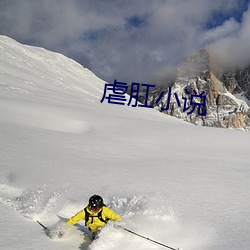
x=77, y=217
x=110, y=214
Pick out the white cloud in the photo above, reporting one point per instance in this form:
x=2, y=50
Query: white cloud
x=228, y=28
x=97, y=33
x=233, y=50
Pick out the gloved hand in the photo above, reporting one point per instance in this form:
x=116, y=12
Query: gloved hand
x=60, y=233
x=62, y=230
x=118, y=226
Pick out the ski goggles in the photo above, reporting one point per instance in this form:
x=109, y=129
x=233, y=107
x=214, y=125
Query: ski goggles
x=94, y=208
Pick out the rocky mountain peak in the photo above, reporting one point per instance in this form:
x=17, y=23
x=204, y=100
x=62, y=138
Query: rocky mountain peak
x=197, y=64
x=237, y=81
x=194, y=77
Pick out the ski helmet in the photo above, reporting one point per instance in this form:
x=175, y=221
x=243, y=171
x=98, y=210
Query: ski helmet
x=95, y=202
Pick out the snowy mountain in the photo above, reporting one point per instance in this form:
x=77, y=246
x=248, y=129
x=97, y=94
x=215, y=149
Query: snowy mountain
x=221, y=108
x=183, y=185
x=237, y=82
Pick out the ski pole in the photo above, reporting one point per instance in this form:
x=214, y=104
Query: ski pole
x=45, y=228
x=146, y=238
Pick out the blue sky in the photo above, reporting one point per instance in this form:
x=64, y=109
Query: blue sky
x=218, y=17
x=131, y=40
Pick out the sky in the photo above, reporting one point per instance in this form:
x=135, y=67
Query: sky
x=135, y=40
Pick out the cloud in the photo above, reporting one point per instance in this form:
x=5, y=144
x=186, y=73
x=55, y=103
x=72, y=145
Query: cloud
x=233, y=49
x=228, y=28
x=129, y=41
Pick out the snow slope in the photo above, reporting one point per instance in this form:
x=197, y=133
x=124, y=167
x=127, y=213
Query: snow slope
x=176, y=183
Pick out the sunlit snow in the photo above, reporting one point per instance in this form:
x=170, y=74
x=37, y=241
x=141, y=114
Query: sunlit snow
x=179, y=184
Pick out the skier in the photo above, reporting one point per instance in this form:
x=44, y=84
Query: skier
x=95, y=214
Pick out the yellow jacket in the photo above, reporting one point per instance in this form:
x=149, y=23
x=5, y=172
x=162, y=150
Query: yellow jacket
x=94, y=223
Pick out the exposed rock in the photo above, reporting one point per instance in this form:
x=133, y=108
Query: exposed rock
x=221, y=108
x=237, y=81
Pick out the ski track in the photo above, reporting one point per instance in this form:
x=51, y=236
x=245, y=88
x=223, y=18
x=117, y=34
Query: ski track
x=145, y=214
